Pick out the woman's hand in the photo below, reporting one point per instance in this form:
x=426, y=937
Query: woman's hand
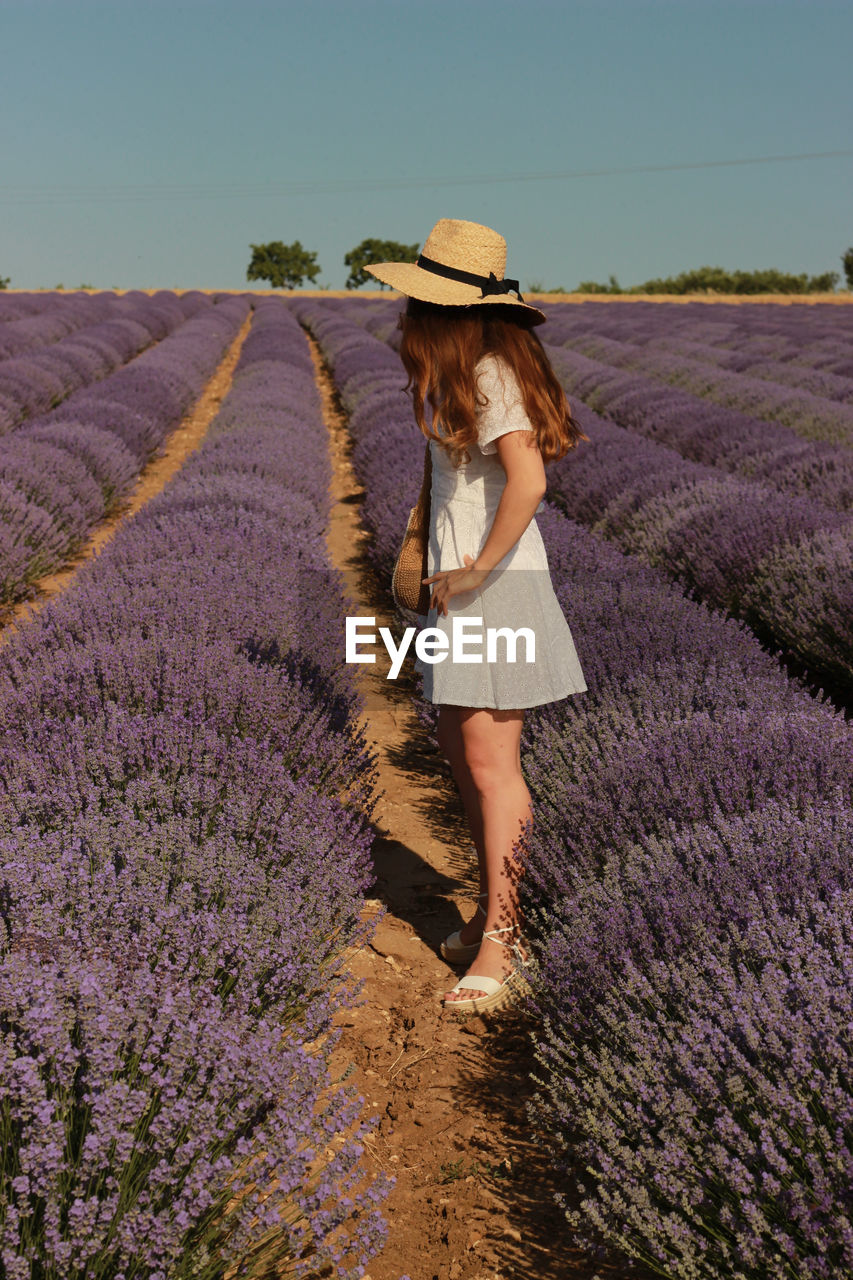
x=453, y=582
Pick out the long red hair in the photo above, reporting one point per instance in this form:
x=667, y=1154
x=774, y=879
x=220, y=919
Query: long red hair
x=440, y=347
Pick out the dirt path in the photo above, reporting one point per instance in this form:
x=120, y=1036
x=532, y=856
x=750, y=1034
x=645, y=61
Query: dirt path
x=177, y=447
x=473, y=1194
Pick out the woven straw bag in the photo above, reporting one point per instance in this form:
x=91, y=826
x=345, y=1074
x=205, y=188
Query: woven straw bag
x=411, y=564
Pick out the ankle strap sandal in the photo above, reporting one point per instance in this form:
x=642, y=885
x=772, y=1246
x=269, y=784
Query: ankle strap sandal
x=497, y=994
x=454, y=950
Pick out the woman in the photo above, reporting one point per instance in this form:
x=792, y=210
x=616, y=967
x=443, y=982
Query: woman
x=499, y=415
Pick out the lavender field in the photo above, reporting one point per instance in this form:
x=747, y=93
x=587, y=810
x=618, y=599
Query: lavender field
x=85, y=413
x=186, y=794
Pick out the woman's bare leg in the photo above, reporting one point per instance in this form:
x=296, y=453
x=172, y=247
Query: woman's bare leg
x=450, y=741
x=491, y=746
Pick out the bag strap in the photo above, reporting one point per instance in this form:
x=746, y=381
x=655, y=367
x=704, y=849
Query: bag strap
x=424, y=503
x=426, y=484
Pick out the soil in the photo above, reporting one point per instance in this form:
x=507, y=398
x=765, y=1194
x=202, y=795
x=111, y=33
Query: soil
x=474, y=1193
x=173, y=453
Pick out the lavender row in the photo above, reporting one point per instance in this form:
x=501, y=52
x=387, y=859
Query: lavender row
x=733, y=378
x=62, y=472
x=736, y=397
x=804, y=340
x=70, y=314
x=823, y=368
x=689, y=892
x=781, y=563
x=743, y=444
x=62, y=316
x=37, y=382
x=18, y=305
x=691, y=884
x=815, y=377
x=184, y=845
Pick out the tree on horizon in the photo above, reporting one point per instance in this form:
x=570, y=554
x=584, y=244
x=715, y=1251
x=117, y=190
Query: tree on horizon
x=371, y=251
x=284, y=265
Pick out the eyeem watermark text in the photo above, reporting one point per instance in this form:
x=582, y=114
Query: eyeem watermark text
x=434, y=645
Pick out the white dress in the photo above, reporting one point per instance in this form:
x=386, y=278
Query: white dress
x=518, y=593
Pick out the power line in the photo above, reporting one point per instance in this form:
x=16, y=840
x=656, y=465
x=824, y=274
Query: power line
x=134, y=193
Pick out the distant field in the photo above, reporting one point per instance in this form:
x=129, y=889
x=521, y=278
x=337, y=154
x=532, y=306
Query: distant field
x=784, y=299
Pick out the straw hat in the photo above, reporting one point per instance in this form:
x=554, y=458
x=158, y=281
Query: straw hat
x=461, y=264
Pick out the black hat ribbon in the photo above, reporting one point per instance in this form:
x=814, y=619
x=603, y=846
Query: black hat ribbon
x=489, y=284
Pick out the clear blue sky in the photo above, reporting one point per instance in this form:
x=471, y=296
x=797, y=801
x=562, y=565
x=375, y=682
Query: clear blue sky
x=147, y=143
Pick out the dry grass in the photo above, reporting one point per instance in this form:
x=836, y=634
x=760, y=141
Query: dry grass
x=784, y=299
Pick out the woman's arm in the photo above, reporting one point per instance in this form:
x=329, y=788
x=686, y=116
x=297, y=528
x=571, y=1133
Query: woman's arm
x=522, y=493
x=524, y=490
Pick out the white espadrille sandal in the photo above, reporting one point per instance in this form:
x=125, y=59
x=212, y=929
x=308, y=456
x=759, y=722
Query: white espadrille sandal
x=498, y=994
x=454, y=950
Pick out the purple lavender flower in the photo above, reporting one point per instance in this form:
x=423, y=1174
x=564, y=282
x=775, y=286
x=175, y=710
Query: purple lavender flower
x=184, y=846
